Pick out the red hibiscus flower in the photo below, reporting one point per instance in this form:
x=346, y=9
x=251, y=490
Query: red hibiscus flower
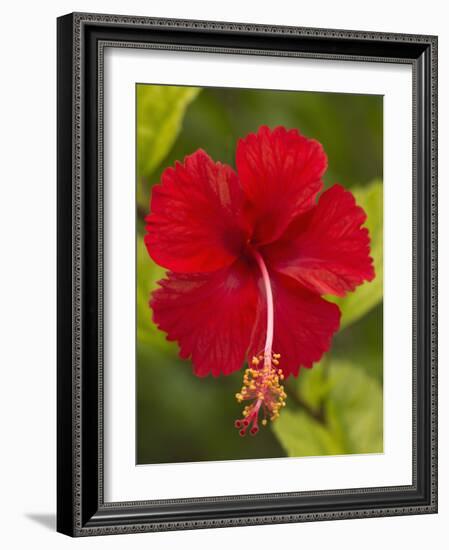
x=249, y=255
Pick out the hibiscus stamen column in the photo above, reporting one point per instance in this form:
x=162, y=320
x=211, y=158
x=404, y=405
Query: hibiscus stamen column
x=270, y=308
x=261, y=381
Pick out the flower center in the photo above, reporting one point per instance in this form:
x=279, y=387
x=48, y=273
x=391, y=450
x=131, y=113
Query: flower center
x=261, y=381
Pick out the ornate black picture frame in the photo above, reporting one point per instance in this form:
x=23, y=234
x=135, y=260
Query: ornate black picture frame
x=81, y=510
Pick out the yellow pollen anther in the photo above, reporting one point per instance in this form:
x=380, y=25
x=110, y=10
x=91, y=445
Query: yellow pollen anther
x=262, y=388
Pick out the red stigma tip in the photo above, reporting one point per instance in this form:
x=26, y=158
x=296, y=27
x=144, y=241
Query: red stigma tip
x=238, y=423
x=242, y=433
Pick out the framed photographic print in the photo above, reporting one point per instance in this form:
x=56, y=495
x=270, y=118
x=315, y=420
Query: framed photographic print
x=247, y=291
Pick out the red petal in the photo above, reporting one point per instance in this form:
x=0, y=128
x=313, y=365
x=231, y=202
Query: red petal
x=196, y=221
x=304, y=324
x=326, y=250
x=280, y=171
x=210, y=315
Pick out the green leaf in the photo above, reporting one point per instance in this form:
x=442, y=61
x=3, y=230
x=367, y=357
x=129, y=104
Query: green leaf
x=355, y=408
x=356, y=304
x=313, y=384
x=352, y=422
x=302, y=435
x=160, y=110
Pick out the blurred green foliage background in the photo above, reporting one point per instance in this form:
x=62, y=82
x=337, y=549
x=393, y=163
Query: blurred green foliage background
x=334, y=408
